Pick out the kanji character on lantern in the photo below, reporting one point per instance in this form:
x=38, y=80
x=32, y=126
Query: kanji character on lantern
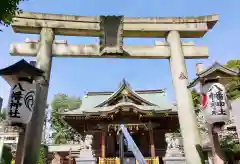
x=215, y=103
x=21, y=102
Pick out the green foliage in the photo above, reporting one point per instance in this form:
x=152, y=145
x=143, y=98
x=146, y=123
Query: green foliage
x=233, y=87
x=6, y=155
x=230, y=146
x=62, y=132
x=3, y=115
x=196, y=100
x=235, y=64
x=43, y=154
x=8, y=8
x=229, y=143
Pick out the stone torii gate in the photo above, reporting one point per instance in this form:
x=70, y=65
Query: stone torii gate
x=111, y=30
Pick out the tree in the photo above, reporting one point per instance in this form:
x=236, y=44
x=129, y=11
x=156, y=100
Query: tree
x=43, y=154
x=233, y=87
x=8, y=8
x=196, y=100
x=7, y=155
x=3, y=115
x=62, y=132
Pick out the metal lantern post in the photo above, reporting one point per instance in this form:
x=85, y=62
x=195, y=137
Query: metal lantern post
x=23, y=97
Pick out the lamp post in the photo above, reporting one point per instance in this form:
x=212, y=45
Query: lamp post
x=216, y=111
x=24, y=95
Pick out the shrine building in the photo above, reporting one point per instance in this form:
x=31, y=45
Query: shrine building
x=148, y=115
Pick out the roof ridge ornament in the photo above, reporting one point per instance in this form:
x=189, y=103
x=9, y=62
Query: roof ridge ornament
x=125, y=89
x=125, y=82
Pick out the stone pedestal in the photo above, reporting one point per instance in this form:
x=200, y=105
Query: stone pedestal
x=174, y=160
x=174, y=153
x=86, y=155
x=86, y=160
x=174, y=145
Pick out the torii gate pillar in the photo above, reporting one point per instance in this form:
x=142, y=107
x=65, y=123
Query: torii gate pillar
x=185, y=106
x=35, y=127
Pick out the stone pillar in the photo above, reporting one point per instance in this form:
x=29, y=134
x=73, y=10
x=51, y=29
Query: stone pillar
x=103, y=144
x=20, y=147
x=218, y=156
x=35, y=127
x=186, y=115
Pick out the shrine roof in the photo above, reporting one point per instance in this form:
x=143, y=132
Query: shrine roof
x=214, y=68
x=21, y=66
x=152, y=100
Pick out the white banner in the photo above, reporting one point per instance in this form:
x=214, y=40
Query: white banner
x=21, y=102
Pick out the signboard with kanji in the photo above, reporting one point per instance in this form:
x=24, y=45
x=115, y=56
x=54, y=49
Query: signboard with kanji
x=215, y=103
x=21, y=102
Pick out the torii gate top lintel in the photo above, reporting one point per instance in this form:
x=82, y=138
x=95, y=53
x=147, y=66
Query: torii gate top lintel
x=188, y=27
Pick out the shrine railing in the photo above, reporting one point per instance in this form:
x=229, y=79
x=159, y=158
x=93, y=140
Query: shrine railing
x=116, y=160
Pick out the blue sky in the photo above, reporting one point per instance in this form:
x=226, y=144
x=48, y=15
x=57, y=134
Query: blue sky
x=77, y=75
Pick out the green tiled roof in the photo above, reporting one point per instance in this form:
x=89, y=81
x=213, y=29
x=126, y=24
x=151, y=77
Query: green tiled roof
x=89, y=102
x=93, y=100
x=158, y=101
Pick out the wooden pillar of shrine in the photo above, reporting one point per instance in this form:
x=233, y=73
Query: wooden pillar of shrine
x=151, y=139
x=103, y=142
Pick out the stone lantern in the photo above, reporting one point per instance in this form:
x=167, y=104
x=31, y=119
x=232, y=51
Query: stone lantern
x=23, y=91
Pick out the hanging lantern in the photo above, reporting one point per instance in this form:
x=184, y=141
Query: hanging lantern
x=21, y=102
x=215, y=103
x=20, y=77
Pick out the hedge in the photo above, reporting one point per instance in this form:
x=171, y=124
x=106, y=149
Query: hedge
x=42, y=159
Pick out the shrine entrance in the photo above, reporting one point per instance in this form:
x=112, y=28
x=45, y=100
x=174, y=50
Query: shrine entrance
x=137, y=137
x=111, y=30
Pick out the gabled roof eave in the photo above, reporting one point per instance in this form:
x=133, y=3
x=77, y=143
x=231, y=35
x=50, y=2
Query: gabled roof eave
x=111, y=109
x=216, y=66
x=115, y=94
